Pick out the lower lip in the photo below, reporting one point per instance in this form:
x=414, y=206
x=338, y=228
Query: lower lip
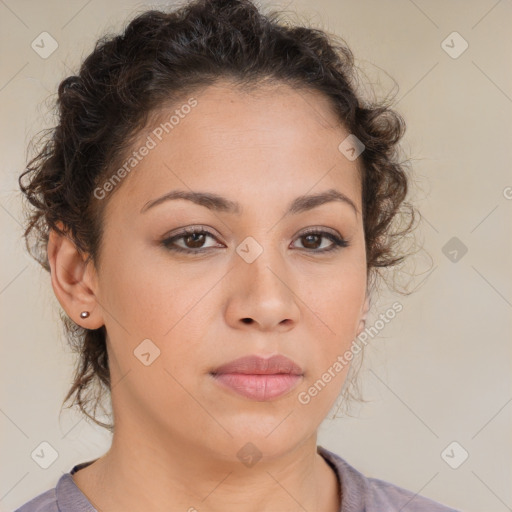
x=259, y=387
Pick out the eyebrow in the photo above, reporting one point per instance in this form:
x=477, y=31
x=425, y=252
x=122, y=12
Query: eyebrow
x=221, y=204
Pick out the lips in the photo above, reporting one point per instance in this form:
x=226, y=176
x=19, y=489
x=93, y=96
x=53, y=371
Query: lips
x=256, y=365
x=258, y=378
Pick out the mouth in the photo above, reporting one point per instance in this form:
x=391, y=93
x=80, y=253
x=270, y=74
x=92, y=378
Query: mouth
x=257, y=378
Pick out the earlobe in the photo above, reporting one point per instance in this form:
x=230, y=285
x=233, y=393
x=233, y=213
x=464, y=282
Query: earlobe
x=73, y=281
x=364, y=315
x=366, y=307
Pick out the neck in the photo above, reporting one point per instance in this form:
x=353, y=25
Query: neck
x=136, y=474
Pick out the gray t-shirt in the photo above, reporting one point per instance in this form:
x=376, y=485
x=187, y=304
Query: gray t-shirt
x=359, y=493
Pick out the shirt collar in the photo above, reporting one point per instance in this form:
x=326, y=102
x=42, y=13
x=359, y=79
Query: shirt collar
x=69, y=496
x=352, y=483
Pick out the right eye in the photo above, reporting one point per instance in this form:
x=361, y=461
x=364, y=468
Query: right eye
x=193, y=239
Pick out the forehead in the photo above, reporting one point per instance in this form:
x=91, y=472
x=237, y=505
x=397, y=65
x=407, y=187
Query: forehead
x=270, y=136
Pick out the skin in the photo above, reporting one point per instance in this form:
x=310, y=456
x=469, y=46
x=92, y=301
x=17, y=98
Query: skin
x=177, y=432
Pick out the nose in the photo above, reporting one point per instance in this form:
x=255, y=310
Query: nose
x=263, y=295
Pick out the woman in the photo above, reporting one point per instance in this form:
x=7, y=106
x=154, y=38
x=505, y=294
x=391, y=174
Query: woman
x=213, y=207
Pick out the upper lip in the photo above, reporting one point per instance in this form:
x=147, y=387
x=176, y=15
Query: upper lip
x=256, y=365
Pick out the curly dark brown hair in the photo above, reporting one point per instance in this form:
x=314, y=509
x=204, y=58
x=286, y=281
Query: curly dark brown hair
x=160, y=57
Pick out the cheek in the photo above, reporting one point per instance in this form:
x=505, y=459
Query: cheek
x=147, y=293
x=151, y=299
x=337, y=297
x=334, y=308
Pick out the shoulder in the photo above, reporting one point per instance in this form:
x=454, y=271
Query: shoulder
x=387, y=495
x=44, y=502
x=361, y=493
x=64, y=497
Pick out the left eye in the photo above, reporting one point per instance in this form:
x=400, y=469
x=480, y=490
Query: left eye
x=195, y=238
x=312, y=238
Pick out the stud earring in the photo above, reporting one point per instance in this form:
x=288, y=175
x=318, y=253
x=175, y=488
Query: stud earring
x=84, y=314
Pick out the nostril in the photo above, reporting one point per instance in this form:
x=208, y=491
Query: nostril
x=246, y=320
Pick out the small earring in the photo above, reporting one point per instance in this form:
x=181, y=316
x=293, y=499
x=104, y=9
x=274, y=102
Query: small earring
x=84, y=314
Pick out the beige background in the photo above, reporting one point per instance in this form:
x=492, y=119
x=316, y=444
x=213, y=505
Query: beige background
x=440, y=372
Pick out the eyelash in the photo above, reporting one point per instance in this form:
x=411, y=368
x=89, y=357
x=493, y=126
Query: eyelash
x=338, y=242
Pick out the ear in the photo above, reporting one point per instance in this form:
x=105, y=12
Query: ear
x=364, y=314
x=73, y=280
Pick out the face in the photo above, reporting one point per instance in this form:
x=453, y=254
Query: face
x=255, y=279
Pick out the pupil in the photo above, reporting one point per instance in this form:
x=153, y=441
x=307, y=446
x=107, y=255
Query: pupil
x=310, y=237
x=197, y=243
